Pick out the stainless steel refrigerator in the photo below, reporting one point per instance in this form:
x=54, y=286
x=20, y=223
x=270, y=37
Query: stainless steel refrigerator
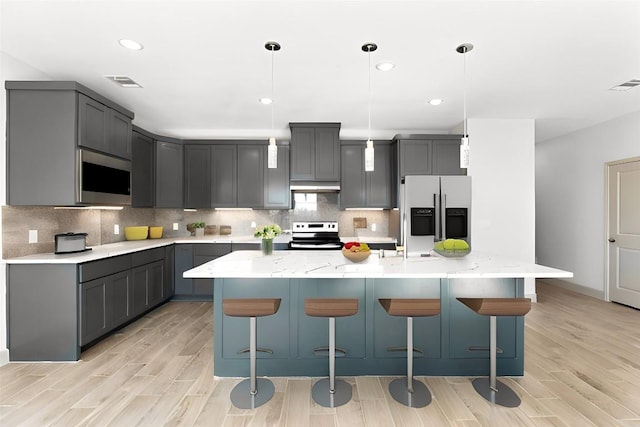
x=434, y=208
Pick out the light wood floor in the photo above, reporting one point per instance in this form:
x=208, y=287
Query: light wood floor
x=582, y=368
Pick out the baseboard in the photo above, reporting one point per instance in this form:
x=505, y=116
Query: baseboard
x=584, y=290
x=4, y=356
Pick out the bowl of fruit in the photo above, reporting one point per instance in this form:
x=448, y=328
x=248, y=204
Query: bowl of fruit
x=452, y=248
x=356, y=251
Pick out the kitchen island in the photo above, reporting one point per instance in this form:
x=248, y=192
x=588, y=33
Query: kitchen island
x=453, y=343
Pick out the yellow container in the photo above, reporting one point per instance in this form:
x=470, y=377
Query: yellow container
x=155, y=232
x=136, y=233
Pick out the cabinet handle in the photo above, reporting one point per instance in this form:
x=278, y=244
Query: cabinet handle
x=324, y=351
x=415, y=350
x=611, y=240
x=261, y=350
x=481, y=348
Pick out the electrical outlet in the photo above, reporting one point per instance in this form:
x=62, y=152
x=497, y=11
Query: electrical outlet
x=253, y=224
x=116, y=229
x=373, y=227
x=176, y=226
x=33, y=236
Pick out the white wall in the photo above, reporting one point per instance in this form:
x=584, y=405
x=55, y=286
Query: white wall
x=502, y=167
x=570, y=201
x=10, y=69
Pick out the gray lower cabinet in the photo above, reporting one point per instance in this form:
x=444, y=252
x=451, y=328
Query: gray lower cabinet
x=315, y=152
x=148, y=286
x=169, y=175
x=188, y=256
x=360, y=189
x=142, y=176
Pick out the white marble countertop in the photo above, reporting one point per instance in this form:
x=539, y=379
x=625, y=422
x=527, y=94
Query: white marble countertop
x=332, y=264
x=130, y=246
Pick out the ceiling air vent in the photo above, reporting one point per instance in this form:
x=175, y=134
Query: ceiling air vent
x=627, y=85
x=123, y=81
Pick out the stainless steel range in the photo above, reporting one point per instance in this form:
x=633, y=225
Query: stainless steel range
x=315, y=235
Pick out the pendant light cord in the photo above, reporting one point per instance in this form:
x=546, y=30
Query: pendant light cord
x=369, y=126
x=272, y=90
x=464, y=91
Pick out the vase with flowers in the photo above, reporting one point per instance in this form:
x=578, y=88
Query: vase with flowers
x=267, y=234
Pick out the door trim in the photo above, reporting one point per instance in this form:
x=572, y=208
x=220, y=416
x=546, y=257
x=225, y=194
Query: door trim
x=606, y=218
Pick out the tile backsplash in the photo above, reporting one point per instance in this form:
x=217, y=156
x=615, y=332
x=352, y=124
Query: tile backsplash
x=99, y=224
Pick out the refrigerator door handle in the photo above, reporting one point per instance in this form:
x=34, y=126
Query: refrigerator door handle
x=443, y=218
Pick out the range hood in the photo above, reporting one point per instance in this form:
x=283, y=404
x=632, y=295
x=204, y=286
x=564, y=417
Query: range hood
x=315, y=186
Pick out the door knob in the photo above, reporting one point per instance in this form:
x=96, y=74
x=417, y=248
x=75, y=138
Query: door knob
x=611, y=240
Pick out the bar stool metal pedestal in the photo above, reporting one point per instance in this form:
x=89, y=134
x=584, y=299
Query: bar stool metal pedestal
x=251, y=392
x=405, y=390
x=490, y=388
x=329, y=392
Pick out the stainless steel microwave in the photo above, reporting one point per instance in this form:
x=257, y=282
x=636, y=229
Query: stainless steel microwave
x=103, y=179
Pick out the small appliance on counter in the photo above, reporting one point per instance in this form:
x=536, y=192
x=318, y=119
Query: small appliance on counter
x=69, y=243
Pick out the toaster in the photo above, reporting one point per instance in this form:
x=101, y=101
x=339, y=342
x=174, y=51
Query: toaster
x=69, y=243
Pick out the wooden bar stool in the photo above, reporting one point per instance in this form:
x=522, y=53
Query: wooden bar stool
x=490, y=388
x=329, y=392
x=252, y=392
x=405, y=390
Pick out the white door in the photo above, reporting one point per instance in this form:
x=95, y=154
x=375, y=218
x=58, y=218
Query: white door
x=624, y=232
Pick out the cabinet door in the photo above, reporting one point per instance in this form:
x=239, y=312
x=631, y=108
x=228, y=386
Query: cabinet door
x=303, y=149
x=183, y=262
x=313, y=332
x=169, y=165
x=155, y=286
x=379, y=181
x=92, y=123
x=352, y=181
x=446, y=158
x=276, y=183
x=94, y=308
x=197, y=176
x=327, y=153
x=119, y=135
x=142, y=183
x=426, y=330
x=273, y=331
x=121, y=298
x=169, y=271
x=415, y=157
x=251, y=166
x=223, y=176
x=139, y=276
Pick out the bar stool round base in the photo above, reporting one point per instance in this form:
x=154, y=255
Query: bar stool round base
x=241, y=394
x=505, y=396
x=321, y=395
x=420, y=397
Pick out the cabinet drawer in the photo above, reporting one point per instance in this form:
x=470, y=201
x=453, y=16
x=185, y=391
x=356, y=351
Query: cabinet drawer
x=211, y=249
x=104, y=267
x=146, y=257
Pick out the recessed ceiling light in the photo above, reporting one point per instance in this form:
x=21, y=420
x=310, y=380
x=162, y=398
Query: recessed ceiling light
x=385, y=66
x=265, y=101
x=436, y=101
x=130, y=44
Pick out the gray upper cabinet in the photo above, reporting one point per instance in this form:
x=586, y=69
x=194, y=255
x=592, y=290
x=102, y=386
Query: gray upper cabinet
x=315, y=152
x=197, y=176
x=224, y=161
x=46, y=123
x=251, y=166
x=142, y=182
x=429, y=155
x=169, y=174
x=360, y=189
x=276, y=182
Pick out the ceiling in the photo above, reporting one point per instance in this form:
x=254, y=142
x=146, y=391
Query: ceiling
x=204, y=65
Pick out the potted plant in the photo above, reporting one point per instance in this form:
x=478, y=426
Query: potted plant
x=267, y=234
x=196, y=228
